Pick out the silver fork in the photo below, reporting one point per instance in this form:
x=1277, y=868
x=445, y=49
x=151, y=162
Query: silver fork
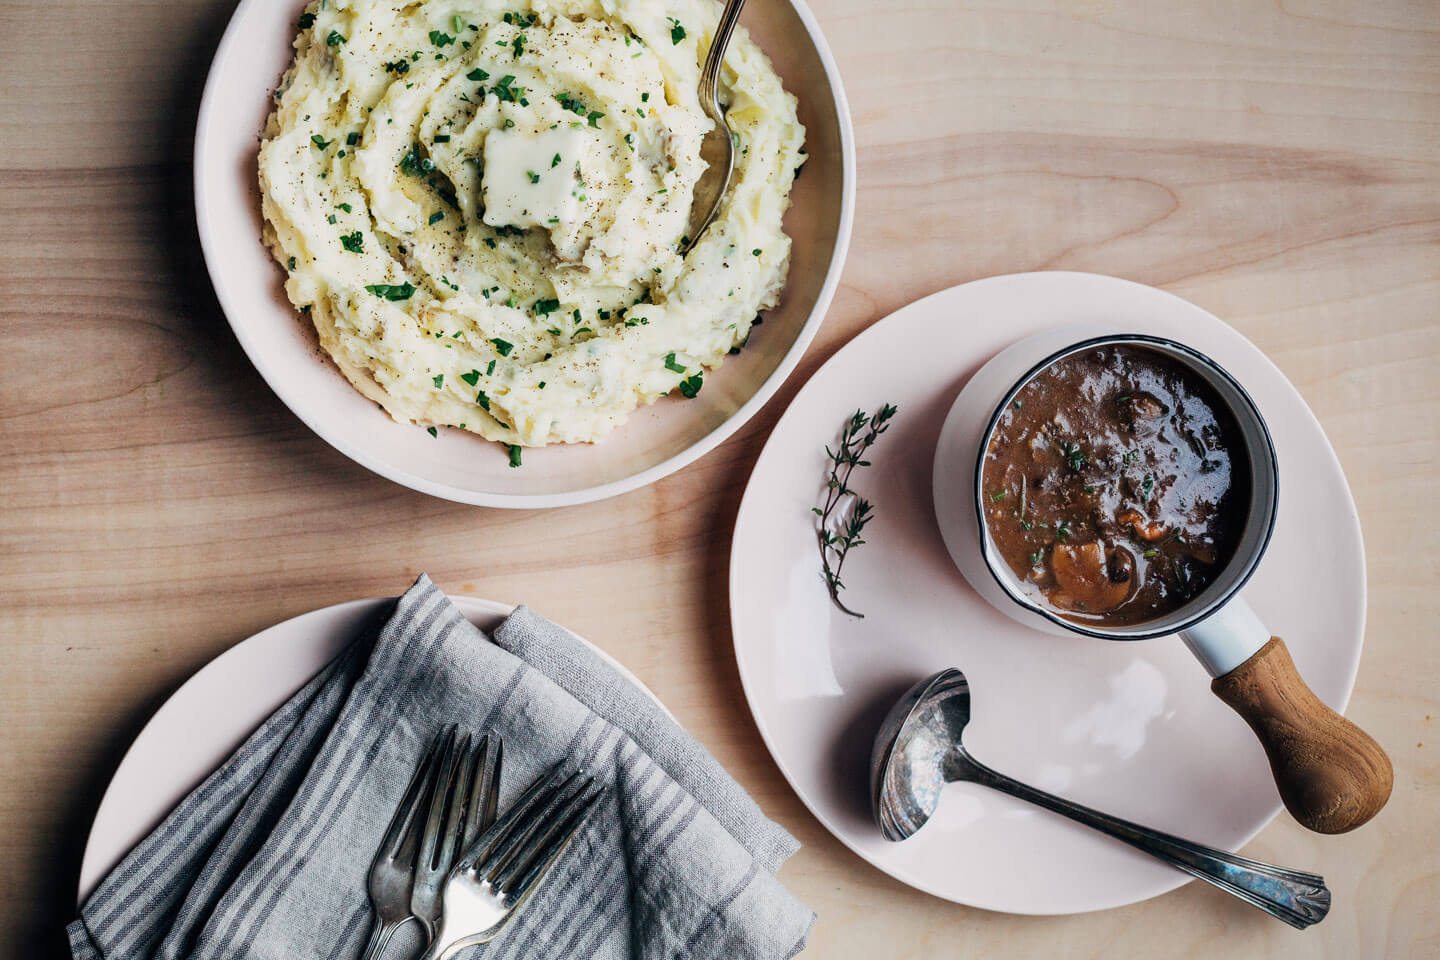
x=506, y=863
x=393, y=870
x=463, y=803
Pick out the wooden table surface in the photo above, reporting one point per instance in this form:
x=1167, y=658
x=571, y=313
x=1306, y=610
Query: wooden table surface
x=1276, y=163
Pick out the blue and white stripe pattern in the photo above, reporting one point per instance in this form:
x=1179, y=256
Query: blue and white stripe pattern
x=267, y=857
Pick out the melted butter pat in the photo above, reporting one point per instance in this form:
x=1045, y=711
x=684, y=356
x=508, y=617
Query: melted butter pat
x=526, y=186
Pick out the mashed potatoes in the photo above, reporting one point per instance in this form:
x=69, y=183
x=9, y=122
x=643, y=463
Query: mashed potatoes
x=481, y=205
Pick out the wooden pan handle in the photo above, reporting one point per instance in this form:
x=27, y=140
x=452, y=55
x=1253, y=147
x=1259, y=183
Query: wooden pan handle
x=1332, y=776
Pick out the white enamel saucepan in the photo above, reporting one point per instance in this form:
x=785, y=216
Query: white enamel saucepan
x=1331, y=775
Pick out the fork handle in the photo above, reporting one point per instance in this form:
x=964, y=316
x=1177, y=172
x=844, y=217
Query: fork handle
x=439, y=950
x=380, y=934
x=444, y=945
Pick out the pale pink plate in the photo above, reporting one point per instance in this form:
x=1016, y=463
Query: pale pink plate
x=658, y=439
x=1130, y=728
x=207, y=718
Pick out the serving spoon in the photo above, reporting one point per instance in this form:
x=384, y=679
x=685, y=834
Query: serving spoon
x=718, y=147
x=918, y=750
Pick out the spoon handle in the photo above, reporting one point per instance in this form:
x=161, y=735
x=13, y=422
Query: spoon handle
x=1300, y=899
x=710, y=72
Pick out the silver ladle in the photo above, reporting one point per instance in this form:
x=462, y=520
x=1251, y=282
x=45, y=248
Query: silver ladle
x=718, y=147
x=918, y=751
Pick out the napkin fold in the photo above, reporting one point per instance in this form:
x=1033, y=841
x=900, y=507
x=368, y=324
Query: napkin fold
x=267, y=858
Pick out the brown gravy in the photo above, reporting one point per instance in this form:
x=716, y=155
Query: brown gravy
x=1116, y=485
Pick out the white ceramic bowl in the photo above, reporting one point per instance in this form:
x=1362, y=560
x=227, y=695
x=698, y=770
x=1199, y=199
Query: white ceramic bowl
x=658, y=439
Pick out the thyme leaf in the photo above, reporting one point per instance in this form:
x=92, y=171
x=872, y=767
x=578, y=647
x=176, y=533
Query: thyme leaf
x=844, y=513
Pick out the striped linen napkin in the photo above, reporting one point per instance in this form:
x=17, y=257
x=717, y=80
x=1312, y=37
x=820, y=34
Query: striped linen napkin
x=267, y=858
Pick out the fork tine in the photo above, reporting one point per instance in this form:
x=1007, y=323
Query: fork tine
x=408, y=810
x=522, y=838
x=485, y=847
x=519, y=823
x=484, y=788
x=434, y=822
x=517, y=883
x=454, y=817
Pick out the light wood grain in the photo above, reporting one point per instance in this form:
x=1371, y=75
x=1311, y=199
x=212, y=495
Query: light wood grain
x=1332, y=776
x=1277, y=163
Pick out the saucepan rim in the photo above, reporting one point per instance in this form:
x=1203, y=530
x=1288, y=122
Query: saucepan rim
x=1254, y=423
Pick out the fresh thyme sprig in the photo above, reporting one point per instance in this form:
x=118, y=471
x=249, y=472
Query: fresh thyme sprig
x=840, y=528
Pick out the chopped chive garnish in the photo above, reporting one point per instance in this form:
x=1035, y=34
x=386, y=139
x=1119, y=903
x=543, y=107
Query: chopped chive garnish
x=504, y=91
x=392, y=291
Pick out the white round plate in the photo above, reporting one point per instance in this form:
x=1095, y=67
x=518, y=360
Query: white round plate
x=1130, y=728
x=216, y=709
x=658, y=439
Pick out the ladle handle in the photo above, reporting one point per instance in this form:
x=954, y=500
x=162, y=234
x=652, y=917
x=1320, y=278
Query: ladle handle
x=1332, y=776
x=1300, y=899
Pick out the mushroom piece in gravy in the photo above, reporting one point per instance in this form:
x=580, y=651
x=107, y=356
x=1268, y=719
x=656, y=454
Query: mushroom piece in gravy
x=1115, y=485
